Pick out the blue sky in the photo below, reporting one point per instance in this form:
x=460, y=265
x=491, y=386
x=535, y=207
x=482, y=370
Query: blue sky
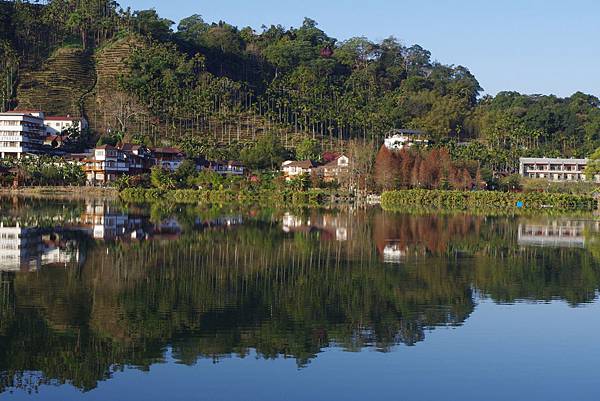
x=531, y=46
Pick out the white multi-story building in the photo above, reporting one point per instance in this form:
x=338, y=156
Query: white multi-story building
x=405, y=139
x=55, y=125
x=559, y=170
x=106, y=164
x=21, y=132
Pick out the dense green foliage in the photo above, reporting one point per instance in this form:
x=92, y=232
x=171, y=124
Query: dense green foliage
x=264, y=196
x=41, y=171
x=234, y=84
x=483, y=200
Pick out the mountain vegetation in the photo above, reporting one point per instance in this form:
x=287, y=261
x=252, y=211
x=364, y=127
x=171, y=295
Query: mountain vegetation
x=224, y=86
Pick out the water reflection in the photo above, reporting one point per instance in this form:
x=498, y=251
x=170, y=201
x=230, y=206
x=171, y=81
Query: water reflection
x=557, y=232
x=329, y=226
x=117, y=285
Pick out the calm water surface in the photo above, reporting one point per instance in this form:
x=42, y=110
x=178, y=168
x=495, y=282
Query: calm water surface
x=101, y=301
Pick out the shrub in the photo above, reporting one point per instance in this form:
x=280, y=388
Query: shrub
x=483, y=200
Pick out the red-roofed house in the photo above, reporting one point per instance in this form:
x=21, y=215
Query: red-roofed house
x=168, y=158
x=333, y=170
x=292, y=169
x=106, y=165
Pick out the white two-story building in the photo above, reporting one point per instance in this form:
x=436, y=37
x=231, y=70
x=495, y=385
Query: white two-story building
x=553, y=169
x=21, y=133
x=55, y=125
x=106, y=165
x=293, y=169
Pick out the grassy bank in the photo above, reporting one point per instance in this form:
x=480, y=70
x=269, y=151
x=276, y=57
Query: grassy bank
x=483, y=200
x=73, y=192
x=313, y=197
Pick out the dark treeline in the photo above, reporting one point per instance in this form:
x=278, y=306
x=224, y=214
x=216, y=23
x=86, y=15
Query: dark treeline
x=197, y=78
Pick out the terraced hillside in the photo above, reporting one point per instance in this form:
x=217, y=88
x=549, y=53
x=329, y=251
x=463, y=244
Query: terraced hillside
x=58, y=87
x=75, y=82
x=110, y=63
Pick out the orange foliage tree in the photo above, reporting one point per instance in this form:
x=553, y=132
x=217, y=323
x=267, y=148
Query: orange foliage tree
x=430, y=169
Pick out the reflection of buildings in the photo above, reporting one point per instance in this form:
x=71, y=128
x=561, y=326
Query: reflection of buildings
x=6, y=283
x=101, y=221
x=331, y=227
x=30, y=248
x=19, y=248
x=556, y=233
x=23, y=248
x=223, y=221
x=227, y=221
x=58, y=251
x=394, y=252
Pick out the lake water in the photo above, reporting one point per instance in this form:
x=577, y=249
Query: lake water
x=100, y=301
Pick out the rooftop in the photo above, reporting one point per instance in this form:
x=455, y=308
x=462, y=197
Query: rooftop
x=551, y=160
x=20, y=113
x=301, y=164
x=167, y=150
x=62, y=118
x=334, y=162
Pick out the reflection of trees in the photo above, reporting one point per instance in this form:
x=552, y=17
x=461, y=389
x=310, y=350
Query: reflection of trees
x=36, y=212
x=425, y=234
x=539, y=274
x=217, y=292
x=491, y=259
x=214, y=294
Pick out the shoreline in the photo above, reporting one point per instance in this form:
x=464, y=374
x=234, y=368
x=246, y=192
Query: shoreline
x=62, y=192
x=314, y=197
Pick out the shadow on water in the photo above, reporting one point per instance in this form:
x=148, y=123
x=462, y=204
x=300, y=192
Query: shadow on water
x=89, y=288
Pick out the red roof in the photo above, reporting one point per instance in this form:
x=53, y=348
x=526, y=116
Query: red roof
x=174, y=151
x=26, y=111
x=62, y=118
x=306, y=164
x=334, y=162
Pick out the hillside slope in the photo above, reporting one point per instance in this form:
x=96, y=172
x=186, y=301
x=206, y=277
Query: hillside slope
x=58, y=87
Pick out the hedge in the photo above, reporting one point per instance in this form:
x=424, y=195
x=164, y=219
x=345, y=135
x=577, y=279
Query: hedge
x=310, y=197
x=483, y=200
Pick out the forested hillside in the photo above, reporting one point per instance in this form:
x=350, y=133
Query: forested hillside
x=201, y=85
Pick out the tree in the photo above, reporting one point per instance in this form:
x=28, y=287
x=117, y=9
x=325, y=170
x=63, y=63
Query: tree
x=185, y=174
x=386, y=169
x=208, y=179
x=150, y=23
x=592, y=168
x=266, y=153
x=162, y=179
x=309, y=149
